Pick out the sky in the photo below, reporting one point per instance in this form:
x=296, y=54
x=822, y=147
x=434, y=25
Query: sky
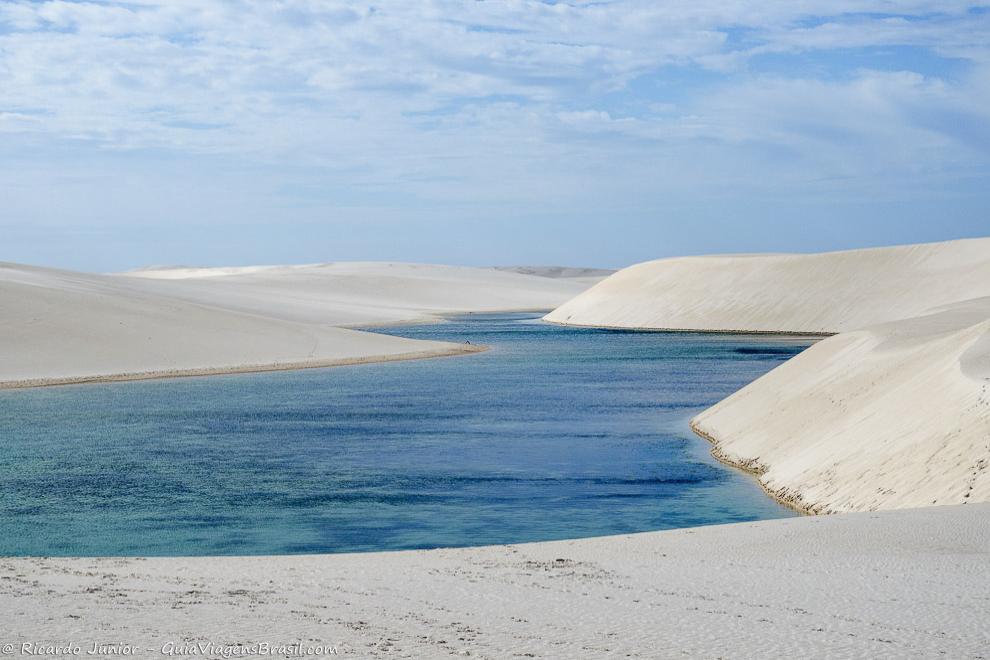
x=598, y=133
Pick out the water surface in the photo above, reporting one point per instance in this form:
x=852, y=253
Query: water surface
x=553, y=433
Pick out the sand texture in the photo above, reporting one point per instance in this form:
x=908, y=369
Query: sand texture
x=807, y=293
x=896, y=584
x=894, y=415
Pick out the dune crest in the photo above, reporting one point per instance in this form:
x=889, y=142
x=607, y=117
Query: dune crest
x=799, y=293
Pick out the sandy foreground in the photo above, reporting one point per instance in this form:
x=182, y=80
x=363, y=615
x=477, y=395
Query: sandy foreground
x=896, y=584
x=60, y=326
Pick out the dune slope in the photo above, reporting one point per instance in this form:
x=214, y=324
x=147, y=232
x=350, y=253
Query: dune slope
x=358, y=293
x=895, y=415
x=808, y=293
x=60, y=327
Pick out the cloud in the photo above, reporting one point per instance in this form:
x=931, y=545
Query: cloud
x=104, y=69
x=510, y=102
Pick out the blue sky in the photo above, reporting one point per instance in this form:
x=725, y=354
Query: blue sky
x=502, y=132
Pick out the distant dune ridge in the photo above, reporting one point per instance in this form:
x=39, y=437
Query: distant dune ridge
x=809, y=293
x=893, y=412
x=359, y=293
x=60, y=326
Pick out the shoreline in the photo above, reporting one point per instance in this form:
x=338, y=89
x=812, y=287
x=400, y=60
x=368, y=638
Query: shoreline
x=755, y=470
x=30, y=383
x=780, y=333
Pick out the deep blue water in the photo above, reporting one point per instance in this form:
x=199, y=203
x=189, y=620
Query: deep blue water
x=553, y=433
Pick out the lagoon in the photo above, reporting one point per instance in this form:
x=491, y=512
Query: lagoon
x=555, y=432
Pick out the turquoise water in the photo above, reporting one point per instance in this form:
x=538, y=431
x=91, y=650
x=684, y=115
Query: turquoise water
x=553, y=433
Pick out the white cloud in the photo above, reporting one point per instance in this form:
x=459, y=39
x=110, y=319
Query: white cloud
x=505, y=97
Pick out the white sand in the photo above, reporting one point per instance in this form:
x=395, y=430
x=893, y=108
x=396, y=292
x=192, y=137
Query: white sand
x=899, y=584
x=360, y=293
x=59, y=326
x=895, y=415
x=817, y=293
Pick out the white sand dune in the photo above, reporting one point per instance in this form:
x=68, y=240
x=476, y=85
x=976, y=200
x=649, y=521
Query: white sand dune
x=892, y=413
x=812, y=293
x=359, y=293
x=897, y=584
x=59, y=326
x=895, y=415
x=63, y=327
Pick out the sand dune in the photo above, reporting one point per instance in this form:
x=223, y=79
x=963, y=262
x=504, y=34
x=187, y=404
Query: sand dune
x=359, y=293
x=895, y=415
x=59, y=326
x=893, y=412
x=816, y=293
x=897, y=584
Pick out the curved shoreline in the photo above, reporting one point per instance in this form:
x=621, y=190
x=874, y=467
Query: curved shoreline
x=629, y=328
x=239, y=369
x=754, y=469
